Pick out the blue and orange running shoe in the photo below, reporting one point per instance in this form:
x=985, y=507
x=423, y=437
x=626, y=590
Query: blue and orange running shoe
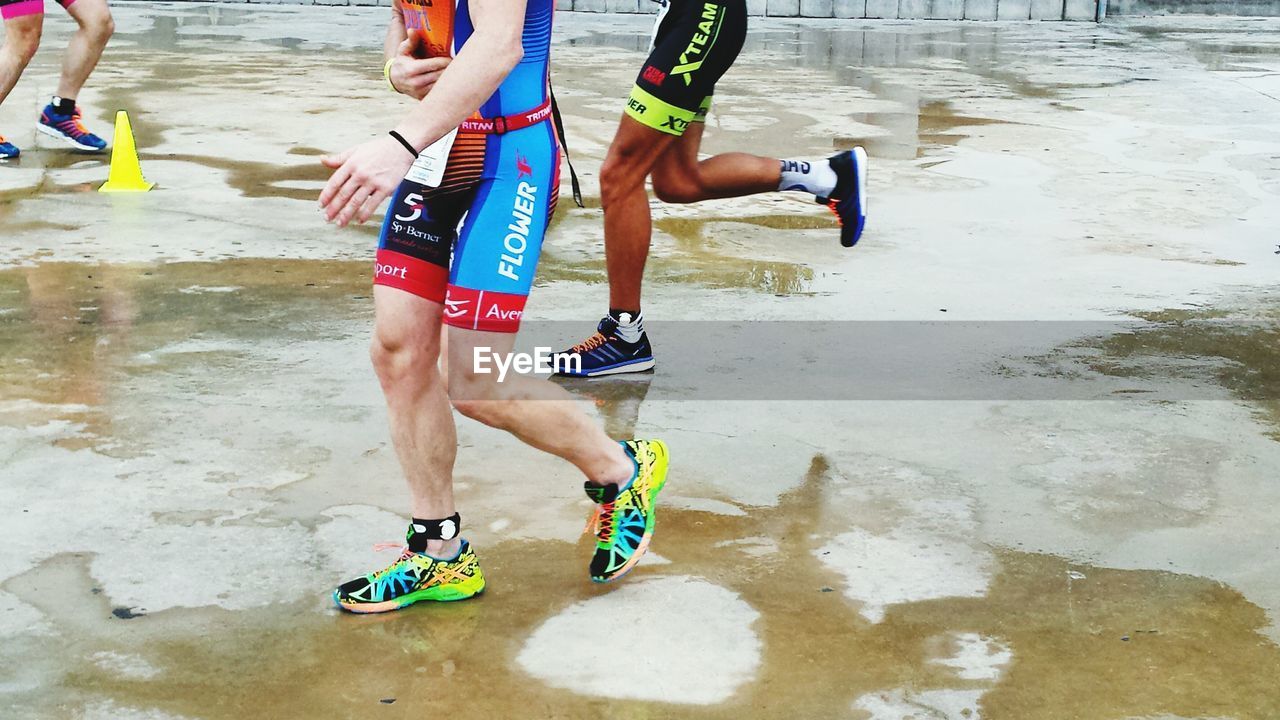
x=413, y=578
x=69, y=129
x=8, y=150
x=624, y=517
x=605, y=353
x=849, y=198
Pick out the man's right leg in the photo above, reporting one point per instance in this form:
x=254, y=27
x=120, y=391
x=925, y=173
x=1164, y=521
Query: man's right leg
x=61, y=118
x=437, y=565
x=23, y=23
x=619, y=344
x=405, y=352
x=95, y=27
x=409, y=287
x=628, y=227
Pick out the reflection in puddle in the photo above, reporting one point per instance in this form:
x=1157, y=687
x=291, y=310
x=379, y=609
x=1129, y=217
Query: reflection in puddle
x=1243, y=357
x=1116, y=643
x=913, y=134
x=68, y=330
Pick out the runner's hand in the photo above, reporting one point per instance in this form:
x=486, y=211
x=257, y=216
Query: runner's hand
x=364, y=176
x=414, y=76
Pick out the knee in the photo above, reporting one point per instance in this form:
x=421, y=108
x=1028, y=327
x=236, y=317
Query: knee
x=103, y=31
x=475, y=400
x=399, y=358
x=619, y=175
x=25, y=40
x=474, y=395
x=611, y=182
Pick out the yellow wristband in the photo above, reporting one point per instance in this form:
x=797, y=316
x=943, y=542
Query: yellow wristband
x=386, y=74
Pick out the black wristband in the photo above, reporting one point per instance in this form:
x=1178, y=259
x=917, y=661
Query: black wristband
x=404, y=142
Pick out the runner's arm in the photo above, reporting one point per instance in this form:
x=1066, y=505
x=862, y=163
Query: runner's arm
x=485, y=60
x=367, y=174
x=396, y=33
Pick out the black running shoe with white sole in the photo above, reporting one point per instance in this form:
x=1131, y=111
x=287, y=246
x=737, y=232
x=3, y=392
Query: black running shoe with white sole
x=849, y=199
x=605, y=353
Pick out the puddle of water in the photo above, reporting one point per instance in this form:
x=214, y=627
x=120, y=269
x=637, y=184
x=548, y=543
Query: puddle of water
x=68, y=331
x=264, y=179
x=913, y=134
x=1203, y=345
x=1218, y=46
x=1116, y=643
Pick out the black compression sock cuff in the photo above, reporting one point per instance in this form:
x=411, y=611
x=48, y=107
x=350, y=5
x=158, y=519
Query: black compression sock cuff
x=421, y=531
x=64, y=106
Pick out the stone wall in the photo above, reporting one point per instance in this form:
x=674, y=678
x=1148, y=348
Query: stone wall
x=1199, y=7
x=916, y=9
x=887, y=9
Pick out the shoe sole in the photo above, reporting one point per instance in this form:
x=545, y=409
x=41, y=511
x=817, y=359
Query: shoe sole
x=664, y=462
x=636, y=366
x=57, y=135
x=441, y=593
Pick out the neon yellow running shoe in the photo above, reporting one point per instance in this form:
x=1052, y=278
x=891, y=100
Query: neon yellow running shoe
x=623, y=521
x=413, y=578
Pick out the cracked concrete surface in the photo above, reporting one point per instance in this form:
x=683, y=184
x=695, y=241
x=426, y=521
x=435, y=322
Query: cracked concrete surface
x=194, y=449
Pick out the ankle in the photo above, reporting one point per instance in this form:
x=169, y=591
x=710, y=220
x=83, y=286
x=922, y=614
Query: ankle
x=620, y=471
x=444, y=549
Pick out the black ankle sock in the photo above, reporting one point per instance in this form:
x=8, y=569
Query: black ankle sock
x=421, y=531
x=630, y=324
x=616, y=314
x=64, y=106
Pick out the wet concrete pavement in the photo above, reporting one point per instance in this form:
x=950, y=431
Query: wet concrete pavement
x=195, y=449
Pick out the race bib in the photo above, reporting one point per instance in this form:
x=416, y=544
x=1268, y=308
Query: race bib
x=428, y=169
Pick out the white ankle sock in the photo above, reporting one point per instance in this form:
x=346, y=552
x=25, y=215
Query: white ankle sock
x=630, y=328
x=811, y=176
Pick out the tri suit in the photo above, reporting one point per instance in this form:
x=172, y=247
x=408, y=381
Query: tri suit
x=472, y=244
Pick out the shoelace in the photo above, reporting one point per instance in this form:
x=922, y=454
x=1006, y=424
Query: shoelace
x=600, y=522
x=384, y=547
x=76, y=122
x=75, y=119
x=590, y=343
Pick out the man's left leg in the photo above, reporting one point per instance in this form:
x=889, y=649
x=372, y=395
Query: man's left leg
x=492, y=271
x=61, y=117
x=838, y=181
x=623, y=479
x=680, y=177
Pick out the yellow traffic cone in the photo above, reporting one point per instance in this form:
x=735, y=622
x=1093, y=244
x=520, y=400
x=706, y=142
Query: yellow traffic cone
x=126, y=170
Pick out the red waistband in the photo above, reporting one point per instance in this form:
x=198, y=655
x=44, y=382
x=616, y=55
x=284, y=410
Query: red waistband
x=510, y=123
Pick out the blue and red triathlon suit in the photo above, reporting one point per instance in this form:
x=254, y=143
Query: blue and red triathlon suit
x=472, y=244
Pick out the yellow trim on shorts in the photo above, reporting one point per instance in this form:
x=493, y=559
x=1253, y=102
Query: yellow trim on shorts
x=703, y=109
x=658, y=114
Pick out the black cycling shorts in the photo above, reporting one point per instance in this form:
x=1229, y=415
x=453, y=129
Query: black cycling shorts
x=695, y=44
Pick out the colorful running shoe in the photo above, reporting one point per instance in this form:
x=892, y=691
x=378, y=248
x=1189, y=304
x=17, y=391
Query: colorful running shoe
x=412, y=578
x=623, y=519
x=605, y=354
x=8, y=150
x=70, y=130
x=849, y=199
